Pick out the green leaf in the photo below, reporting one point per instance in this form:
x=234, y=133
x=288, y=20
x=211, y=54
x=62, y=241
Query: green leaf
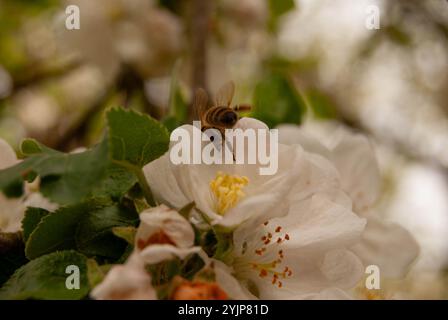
x=277, y=101
x=117, y=182
x=45, y=278
x=276, y=9
x=322, y=106
x=178, y=104
x=86, y=227
x=164, y=272
x=14, y=189
x=126, y=254
x=31, y=146
x=68, y=178
x=56, y=231
x=95, y=237
x=185, y=210
x=224, y=247
x=171, y=123
x=126, y=233
x=136, y=139
x=95, y=273
x=141, y=205
x=32, y=218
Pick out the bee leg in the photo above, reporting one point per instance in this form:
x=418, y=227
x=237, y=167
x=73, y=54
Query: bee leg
x=242, y=107
x=229, y=146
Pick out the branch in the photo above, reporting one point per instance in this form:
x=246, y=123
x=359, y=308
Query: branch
x=199, y=20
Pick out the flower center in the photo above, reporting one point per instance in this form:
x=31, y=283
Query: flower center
x=159, y=237
x=269, y=256
x=371, y=294
x=199, y=291
x=228, y=190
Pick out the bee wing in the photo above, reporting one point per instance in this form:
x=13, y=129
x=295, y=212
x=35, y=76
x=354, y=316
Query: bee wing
x=200, y=102
x=224, y=95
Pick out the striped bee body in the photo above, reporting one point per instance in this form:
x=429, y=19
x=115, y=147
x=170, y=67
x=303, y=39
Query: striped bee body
x=222, y=115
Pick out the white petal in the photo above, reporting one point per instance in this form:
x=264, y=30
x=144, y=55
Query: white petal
x=229, y=284
x=125, y=282
x=37, y=200
x=196, y=179
x=293, y=134
x=358, y=166
x=326, y=294
x=173, y=184
x=320, y=223
x=328, y=133
x=318, y=175
x=389, y=246
x=8, y=157
x=162, y=218
x=163, y=184
x=352, y=155
x=250, y=123
x=314, y=274
x=320, y=233
x=255, y=210
x=225, y=279
x=12, y=211
x=266, y=196
x=342, y=268
x=160, y=252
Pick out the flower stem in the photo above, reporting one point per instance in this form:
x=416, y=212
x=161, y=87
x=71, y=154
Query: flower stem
x=141, y=180
x=145, y=187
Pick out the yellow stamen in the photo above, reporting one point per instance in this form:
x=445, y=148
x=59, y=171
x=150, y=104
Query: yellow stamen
x=227, y=190
x=371, y=294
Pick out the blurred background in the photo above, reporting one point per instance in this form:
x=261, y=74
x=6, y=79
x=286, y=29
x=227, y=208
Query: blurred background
x=295, y=61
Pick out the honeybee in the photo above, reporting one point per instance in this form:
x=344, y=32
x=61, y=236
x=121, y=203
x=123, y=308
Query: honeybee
x=222, y=115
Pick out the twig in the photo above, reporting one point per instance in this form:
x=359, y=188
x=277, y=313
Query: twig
x=199, y=20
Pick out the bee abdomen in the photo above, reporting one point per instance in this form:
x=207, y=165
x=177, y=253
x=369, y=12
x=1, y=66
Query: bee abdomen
x=221, y=116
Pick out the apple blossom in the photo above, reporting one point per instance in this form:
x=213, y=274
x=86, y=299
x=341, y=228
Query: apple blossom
x=297, y=256
x=129, y=281
x=164, y=234
x=226, y=194
x=387, y=245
